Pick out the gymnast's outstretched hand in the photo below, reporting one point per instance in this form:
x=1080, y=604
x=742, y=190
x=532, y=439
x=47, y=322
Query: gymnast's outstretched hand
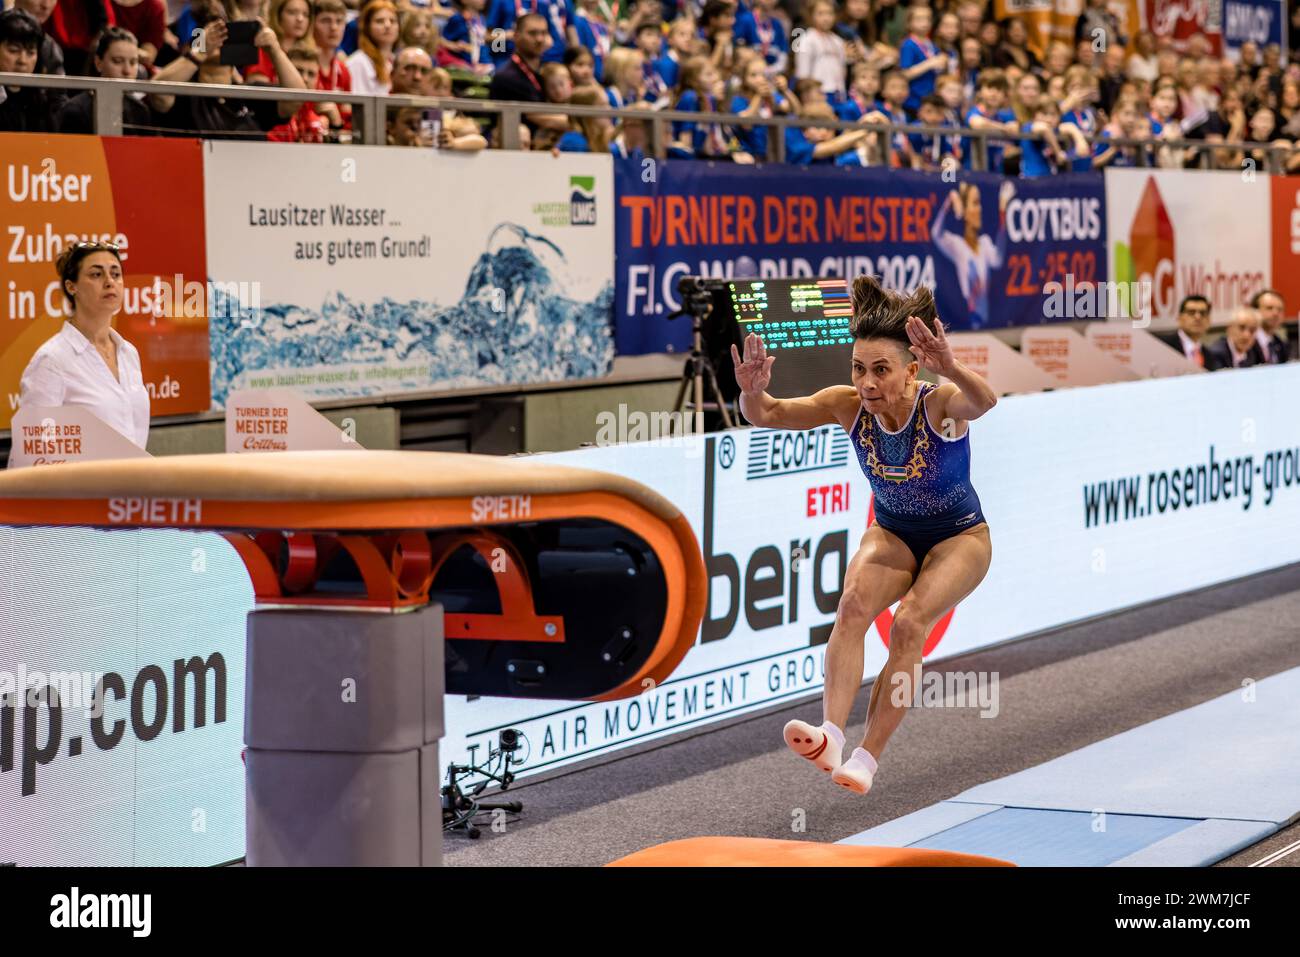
x=754, y=374
x=931, y=349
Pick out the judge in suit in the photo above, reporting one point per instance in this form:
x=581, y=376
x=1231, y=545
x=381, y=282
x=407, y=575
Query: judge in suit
x=1238, y=348
x=1193, y=322
x=1272, y=311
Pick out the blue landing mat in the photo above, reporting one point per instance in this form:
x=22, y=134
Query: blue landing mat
x=1185, y=790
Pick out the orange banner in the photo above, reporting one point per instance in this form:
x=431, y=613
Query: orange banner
x=1052, y=20
x=1286, y=241
x=146, y=195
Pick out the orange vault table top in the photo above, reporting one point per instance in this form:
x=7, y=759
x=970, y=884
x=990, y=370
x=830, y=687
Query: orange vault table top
x=570, y=551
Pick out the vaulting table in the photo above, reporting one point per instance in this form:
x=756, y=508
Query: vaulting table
x=384, y=580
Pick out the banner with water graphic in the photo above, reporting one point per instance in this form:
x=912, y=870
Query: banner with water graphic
x=368, y=271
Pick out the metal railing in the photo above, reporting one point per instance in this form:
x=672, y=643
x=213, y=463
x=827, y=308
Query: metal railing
x=370, y=114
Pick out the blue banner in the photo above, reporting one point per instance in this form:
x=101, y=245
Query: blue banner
x=986, y=244
x=1261, y=22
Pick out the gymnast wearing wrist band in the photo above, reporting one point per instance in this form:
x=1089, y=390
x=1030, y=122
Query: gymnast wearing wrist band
x=87, y=363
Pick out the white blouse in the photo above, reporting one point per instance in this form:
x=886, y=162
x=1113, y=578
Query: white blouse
x=364, y=78
x=68, y=370
x=823, y=57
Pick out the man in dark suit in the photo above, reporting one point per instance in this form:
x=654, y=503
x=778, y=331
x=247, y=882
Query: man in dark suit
x=1272, y=311
x=1193, y=321
x=1238, y=348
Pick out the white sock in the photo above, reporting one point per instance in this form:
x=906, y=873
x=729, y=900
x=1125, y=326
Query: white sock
x=863, y=756
x=834, y=733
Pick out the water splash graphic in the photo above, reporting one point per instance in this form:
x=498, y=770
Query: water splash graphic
x=515, y=323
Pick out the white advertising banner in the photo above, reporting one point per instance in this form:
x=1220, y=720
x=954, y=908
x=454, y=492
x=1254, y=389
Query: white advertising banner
x=375, y=271
x=1189, y=231
x=1097, y=499
x=152, y=777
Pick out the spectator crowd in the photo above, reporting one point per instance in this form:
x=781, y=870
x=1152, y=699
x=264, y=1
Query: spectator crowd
x=1105, y=99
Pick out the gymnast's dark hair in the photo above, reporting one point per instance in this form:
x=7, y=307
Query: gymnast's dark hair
x=879, y=313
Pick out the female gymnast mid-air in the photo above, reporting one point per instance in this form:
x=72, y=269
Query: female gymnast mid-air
x=929, y=545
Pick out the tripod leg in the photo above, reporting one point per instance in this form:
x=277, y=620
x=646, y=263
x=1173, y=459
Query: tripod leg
x=700, y=362
x=712, y=376
x=680, y=404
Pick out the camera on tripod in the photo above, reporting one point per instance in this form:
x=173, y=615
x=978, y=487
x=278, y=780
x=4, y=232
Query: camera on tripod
x=700, y=376
x=698, y=292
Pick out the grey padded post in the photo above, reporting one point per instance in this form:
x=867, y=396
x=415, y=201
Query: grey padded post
x=343, y=713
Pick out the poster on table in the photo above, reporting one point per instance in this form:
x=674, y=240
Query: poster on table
x=146, y=197
x=382, y=271
x=991, y=248
x=280, y=420
x=57, y=435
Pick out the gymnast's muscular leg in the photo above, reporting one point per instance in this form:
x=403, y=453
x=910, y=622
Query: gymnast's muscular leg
x=880, y=571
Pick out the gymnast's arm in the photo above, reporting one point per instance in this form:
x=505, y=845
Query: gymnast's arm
x=966, y=395
x=836, y=404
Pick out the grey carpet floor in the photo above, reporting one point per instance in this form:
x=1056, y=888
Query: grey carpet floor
x=1058, y=692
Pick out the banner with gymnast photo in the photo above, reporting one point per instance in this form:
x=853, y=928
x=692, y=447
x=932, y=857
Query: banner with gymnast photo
x=381, y=271
x=989, y=246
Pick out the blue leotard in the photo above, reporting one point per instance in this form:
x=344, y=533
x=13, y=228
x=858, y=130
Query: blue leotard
x=920, y=479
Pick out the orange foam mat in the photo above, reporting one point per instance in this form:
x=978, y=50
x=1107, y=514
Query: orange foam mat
x=767, y=852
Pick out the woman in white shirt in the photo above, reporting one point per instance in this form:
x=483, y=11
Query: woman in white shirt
x=372, y=65
x=820, y=53
x=1143, y=63
x=87, y=363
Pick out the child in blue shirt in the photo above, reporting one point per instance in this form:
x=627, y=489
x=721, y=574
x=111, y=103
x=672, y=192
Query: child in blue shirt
x=919, y=59
x=465, y=34
x=761, y=31
x=759, y=97
x=650, y=40
x=697, y=94
x=1040, y=157
x=892, y=95
x=593, y=32
x=681, y=45
x=822, y=145
x=1123, y=124
x=931, y=151
x=990, y=112
x=1081, y=93
x=864, y=90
